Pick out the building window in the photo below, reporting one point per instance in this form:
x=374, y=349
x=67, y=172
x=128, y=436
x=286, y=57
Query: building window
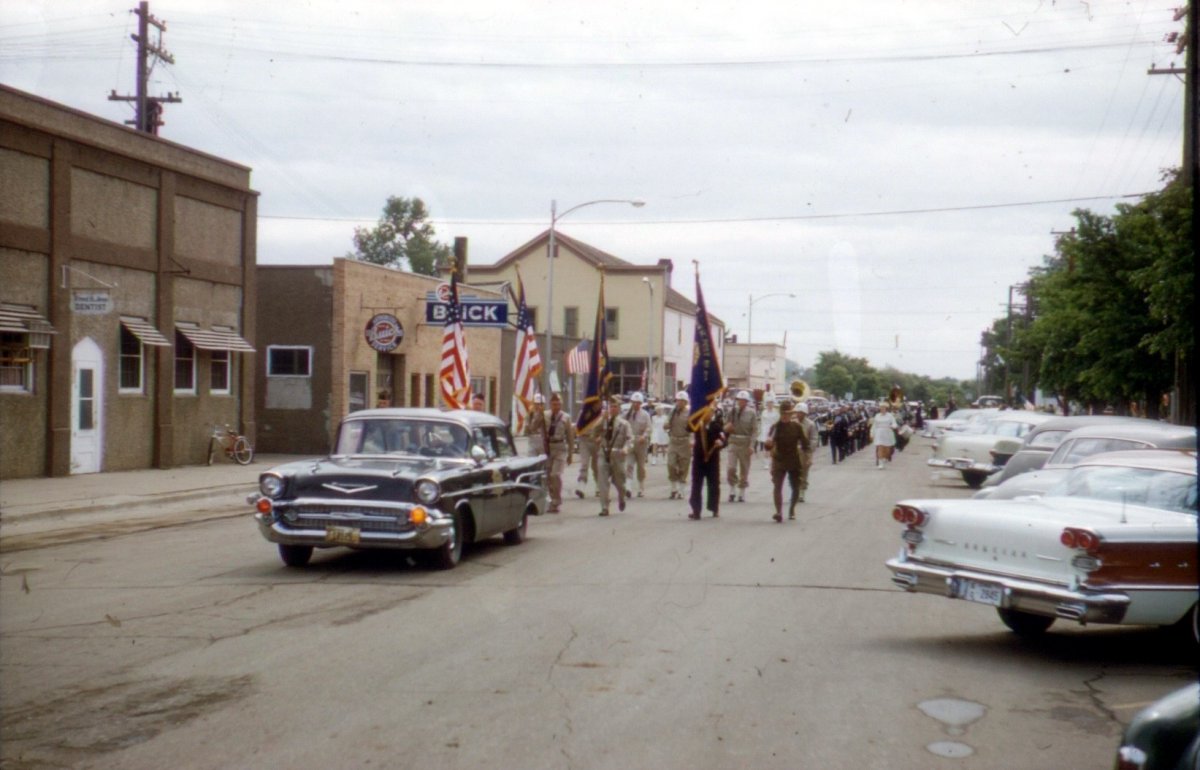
x=478, y=387
x=130, y=364
x=289, y=361
x=185, y=365
x=669, y=377
x=414, y=390
x=612, y=323
x=571, y=321
x=358, y=390
x=219, y=372
x=16, y=363
x=430, y=390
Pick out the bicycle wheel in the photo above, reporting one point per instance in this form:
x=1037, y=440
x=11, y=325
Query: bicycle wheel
x=242, y=452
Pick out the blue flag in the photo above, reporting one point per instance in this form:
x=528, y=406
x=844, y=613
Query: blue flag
x=598, y=374
x=706, y=384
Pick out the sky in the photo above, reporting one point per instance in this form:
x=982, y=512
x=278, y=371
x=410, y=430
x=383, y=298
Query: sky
x=866, y=177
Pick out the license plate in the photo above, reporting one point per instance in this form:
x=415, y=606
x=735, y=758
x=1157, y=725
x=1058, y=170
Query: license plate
x=962, y=465
x=984, y=593
x=342, y=535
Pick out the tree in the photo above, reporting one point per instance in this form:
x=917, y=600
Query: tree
x=403, y=234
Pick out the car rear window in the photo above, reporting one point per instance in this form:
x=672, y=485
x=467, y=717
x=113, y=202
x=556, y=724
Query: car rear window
x=1071, y=452
x=1048, y=439
x=1133, y=486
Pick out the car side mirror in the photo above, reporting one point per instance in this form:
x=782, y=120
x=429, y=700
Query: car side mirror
x=478, y=455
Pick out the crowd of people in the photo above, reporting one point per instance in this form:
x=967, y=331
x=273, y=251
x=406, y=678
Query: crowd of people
x=634, y=433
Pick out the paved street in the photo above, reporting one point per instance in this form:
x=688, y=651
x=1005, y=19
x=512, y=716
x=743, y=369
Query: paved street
x=641, y=640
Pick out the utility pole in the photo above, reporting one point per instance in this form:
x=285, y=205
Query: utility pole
x=1183, y=396
x=147, y=109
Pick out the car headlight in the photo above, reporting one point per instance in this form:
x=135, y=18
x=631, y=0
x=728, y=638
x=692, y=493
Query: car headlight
x=271, y=485
x=428, y=491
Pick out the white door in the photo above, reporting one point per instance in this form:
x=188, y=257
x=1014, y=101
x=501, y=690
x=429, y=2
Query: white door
x=87, y=407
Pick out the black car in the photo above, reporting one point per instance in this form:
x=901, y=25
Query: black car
x=1165, y=735
x=421, y=480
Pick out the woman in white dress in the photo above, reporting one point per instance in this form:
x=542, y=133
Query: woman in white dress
x=883, y=435
x=658, y=434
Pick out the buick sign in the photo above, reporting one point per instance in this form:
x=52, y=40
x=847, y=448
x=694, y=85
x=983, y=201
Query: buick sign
x=384, y=332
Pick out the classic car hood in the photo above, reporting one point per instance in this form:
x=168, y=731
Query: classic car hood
x=1021, y=537
x=976, y=446
x=366, y=477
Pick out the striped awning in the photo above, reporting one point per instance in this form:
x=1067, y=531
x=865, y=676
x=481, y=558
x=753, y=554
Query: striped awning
x=141, y=328
x=23, y=319
x=216, y=338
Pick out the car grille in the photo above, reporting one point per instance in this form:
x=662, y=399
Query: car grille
x=367, y=519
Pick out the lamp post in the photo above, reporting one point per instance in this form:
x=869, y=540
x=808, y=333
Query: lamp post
x=650, y=351
x=750, y=331
x=554, y=217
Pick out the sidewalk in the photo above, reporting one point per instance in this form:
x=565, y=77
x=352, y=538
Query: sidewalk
x=46, y=504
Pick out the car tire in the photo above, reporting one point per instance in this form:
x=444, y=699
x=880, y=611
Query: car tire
x=295, y=555
x=449, y=554
x=974, y=480
x=1187, y=629
x=1025, y=623
x=516, y=535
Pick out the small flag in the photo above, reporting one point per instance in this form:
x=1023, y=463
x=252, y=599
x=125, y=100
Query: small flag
x=577, y=358
x=455, y=375
x=527, y=364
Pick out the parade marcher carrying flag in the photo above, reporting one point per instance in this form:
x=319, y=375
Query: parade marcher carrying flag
x=705, y=419
x=598, y=374
x=527, y=365
x=455, y=374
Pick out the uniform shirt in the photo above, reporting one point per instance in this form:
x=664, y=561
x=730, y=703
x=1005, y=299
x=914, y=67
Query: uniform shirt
x=560, y=430
x=787, y=436
x=639, y=423
x=809, y=443
x=705, y=447
x=677, y=424
x=614, y=435
x=535, y=424
x=743, y=424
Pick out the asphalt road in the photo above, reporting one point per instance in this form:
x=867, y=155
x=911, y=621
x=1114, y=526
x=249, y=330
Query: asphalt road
x=637, y=641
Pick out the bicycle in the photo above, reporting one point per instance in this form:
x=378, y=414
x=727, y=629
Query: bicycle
x=236, y=447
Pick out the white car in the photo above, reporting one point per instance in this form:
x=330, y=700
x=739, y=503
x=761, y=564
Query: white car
x=1114, y=543
x=973, y=454
x=959, y=419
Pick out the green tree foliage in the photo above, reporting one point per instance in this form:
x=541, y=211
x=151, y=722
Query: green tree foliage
x=403, y=235
x=839, y=374
x=1111, y=309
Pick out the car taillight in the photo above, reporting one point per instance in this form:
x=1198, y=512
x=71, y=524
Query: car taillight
x=1079, y=538
x=907, y=514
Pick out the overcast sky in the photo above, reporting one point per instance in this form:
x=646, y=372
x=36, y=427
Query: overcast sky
x=895, y=165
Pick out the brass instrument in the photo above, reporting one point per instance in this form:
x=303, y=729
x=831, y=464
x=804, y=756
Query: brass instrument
x=800, y=390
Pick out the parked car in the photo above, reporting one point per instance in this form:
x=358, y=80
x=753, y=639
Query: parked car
x=959, y=419
x=420, y=480
x=974, y=454
x=1091, y=440
x=1031, y=453
x=1116, y=543
x=1165, y=735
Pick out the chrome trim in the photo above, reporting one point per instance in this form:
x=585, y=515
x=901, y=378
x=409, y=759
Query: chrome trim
x=962, y=464
x=347, y=489
x=430, y=536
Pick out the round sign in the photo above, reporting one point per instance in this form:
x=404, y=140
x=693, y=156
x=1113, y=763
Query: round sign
x=384, y=332
x=443, y=292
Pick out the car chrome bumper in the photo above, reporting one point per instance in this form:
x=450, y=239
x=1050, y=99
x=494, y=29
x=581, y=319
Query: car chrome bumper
x=1018, y=594
x=962, y=464
x=432, y=535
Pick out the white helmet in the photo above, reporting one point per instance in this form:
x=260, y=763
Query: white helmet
x=803, y=407
x=681, y=396
x=743, y=395
x=637, y=398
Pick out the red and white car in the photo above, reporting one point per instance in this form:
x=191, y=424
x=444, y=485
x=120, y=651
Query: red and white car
x=1115, y=542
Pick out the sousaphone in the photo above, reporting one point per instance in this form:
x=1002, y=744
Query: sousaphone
x=800, y=390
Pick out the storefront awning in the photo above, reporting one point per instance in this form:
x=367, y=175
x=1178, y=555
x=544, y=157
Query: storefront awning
x=141, y=328
x=23, y=319
x=216, y=338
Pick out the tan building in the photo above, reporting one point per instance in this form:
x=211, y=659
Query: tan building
x=126, y=270
x=649, y=330
x=335, y=339
x=760, y=366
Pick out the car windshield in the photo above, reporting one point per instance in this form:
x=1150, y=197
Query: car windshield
x=1048, y=439
x=1076, y=450
x=428, y=438
x=1135, y=486
x=1009, y=428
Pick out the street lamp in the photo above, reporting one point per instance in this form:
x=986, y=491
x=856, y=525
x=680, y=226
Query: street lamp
x=554, y=217
x=750, y=331
x=650, y=351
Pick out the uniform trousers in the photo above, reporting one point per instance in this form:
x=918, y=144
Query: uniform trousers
x=611, y=469
x=706, y=473
x=679, y=458
x=740, y=448
x=636, y=462
x=556, y=465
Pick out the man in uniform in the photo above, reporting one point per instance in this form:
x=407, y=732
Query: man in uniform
x=639, y=424
x=588, y=444
x=559, y=443
x=808, y=447
x=742, y=429
x=535, y=422
x=784, y=444
x=706, y=465
x=614, y=435
x=679, y=445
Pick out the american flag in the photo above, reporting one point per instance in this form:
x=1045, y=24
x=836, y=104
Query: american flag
x=527, y=365
x=577, y=358
x=455, y=375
